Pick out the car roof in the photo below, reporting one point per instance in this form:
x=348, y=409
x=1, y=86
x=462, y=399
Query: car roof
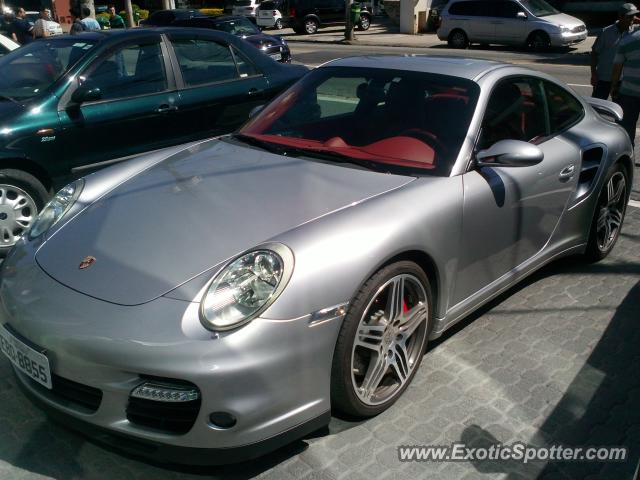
x=120, y=33
x=470, y=68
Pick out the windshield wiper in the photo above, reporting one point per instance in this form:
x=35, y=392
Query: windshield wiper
x=263, y=144
x=290, y=151
x=6, y=97
x=338, y=157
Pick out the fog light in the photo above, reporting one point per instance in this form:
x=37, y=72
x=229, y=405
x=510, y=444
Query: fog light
x=222, y=420
x=165, y=393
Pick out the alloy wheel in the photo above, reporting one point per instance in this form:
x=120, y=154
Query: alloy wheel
x=17, y=212
x=389, y=340
x=611, y=211
x=310, y=26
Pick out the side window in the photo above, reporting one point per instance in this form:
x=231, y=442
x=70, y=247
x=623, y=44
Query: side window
x=564, y=108
x=133, y=70
x=204, y=61
x=245, y=67
x=463, y=8
x=516, y=111
x=507, y=9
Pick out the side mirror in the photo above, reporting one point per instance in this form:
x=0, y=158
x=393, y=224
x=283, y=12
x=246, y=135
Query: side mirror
x=86, y=94
x=509, y=153
x=255, y=110
x=521, y=15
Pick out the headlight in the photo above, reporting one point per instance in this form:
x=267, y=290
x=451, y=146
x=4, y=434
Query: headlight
x=564, y=29
x=246, y=287
x=56, y=209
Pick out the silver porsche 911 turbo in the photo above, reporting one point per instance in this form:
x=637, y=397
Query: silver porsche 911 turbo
x=210, y=302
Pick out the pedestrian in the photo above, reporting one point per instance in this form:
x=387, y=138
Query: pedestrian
x=77, y=26
x=115, y=20
x=604, y=49
x=45, y=26
x=626, y=66
x=21, y=28
x=89, y=22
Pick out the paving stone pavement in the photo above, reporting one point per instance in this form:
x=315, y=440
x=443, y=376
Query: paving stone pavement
x=555, y=360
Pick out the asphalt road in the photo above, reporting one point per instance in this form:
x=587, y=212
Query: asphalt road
x=570, y=68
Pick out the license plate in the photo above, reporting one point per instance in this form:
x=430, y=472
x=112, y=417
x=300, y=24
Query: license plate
x=276, y=56
x=30, y=362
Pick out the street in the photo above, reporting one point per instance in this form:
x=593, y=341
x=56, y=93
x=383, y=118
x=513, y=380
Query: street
x=554, y=360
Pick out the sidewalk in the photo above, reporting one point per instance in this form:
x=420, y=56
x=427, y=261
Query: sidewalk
x=383, y=33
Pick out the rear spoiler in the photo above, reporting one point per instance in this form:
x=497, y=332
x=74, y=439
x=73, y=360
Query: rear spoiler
x=609, y=110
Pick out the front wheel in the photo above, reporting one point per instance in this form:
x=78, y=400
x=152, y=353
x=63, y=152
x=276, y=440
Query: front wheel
x=364, y=23
x=21, y=198
x=539, y=42
x=458, y=39
x=608, y=215
x=382, y=340
x=279, y=25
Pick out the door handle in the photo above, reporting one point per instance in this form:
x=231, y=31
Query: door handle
x=567, y=172
x=253, y=92
x=164, y=108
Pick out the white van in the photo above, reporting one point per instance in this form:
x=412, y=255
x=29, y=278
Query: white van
x=269, y=14
x=531, y=23
x=246, y=8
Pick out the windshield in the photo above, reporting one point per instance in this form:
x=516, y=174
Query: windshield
x=33, y=68
x=539, y=8
x=239, y=26
x=405, y=121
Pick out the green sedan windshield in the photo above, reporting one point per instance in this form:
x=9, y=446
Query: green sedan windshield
x=33, y=68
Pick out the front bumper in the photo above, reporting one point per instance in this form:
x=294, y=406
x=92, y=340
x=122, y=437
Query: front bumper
x=273, y=376
x=567, y=39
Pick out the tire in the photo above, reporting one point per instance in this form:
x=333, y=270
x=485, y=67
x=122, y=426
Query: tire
x=22, y=196
x=458, y=39
x=608, y=214
x=364, y=23
x=539, y=41
x=278, y=24
x=370, y=371
x=310, y=26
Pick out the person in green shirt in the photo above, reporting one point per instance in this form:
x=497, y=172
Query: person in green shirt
x=115, y=20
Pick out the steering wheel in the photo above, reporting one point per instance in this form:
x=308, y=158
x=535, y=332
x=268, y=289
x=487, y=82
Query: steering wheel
x=427, y=137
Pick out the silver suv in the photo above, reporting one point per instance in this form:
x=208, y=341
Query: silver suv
x=531, y=23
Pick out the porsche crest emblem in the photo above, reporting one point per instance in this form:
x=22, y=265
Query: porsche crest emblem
x=87, y=262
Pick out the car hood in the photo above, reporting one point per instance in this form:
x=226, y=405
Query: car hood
x=191, y=212
x=261, y=39
x=562, y=19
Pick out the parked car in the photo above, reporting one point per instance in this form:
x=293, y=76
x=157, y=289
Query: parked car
x=212, y=302
x=164, y=18
x=275, y=47
x=7, y=45
x=306, y=16
x=525, y=23
x=69, y=104
x=247, y=8
x=269, y=15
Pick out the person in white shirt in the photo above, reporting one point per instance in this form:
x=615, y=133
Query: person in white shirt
x=45, y=26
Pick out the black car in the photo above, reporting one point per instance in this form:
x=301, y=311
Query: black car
x=306, y=16
x=274, y=46
x=163, y=18
x=70, y=104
